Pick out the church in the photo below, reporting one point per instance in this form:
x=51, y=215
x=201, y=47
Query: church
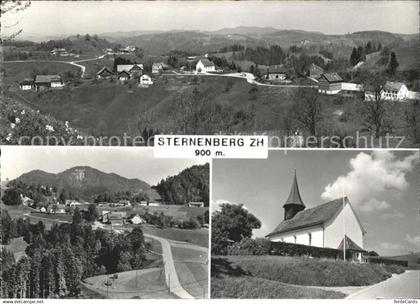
x=330, y=225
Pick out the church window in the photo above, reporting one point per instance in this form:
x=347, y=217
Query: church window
x=310, y=239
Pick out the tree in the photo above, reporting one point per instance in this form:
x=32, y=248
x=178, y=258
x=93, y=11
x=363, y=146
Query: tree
x=8, y=228
x=231, y=224
x=354, y=57
x=92, y=213
x=393, y=64
x=77, y=217
x=307, y=110
x=11, y=197
x=412, y=118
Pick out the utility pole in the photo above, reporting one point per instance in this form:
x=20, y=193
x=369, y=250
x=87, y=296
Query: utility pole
x=344, y=229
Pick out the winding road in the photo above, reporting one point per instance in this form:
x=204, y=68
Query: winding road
x=405, y=285
x=74, y=63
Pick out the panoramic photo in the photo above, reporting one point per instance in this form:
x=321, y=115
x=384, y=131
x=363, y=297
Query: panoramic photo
x=90, y=72
x=119, y=225
x=316, y=224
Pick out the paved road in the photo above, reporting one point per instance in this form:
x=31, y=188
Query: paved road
x=405, y=285
x=171, y=275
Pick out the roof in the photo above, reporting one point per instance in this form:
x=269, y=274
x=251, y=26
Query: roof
x=350, y=244
x=123, y=72
x=294, y=196
x=27, y=81
x=104, y=69
x=393, y=86
x=47, y=78
x=332, y=77
x=311, y=217
x=128, y=67
x=313, y=66
x=206, y=62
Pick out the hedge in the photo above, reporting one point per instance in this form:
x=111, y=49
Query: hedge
x=381, y=260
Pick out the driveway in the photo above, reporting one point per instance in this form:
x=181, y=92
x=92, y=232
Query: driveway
x=405, y=285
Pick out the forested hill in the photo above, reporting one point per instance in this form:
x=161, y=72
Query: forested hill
x=190, y=185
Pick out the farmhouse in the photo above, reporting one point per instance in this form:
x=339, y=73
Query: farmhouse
x=26, y=84
x=134, y=70
x=330, y=83
x=315, y=71
x=123, y=76
x=136, y=219
x=158, y=67
x=205, y=66
x=394, y=91
x=276, y=74
x=145, y=80
x=113, y=218
x=104, y=73
x=43, y=82
x=325, y=225
x=196, y=204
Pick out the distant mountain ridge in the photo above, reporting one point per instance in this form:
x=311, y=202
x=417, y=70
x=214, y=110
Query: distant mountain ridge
x=84, y=181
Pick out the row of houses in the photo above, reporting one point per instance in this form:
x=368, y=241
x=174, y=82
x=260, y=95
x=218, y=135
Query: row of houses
x=332, y=83
x=42, y=82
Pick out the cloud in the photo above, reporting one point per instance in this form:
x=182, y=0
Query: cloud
x=374, y=204
x=414, y=240
x=370, y=176
x=391, y=246
x=391, y=215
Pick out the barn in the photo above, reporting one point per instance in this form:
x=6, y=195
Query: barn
x=330, y=83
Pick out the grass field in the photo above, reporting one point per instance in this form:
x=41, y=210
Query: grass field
x=231, y=274
x=17, y=246
x=198, y=237
x=15, y=72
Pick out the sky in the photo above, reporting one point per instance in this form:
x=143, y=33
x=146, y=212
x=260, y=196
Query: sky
x=330, y=17
x=382, y=186
x=127, y=162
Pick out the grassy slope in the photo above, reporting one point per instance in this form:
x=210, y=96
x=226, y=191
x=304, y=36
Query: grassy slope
x=252, y=287
x=269, y=276
x=17, y=71
x=198, y=237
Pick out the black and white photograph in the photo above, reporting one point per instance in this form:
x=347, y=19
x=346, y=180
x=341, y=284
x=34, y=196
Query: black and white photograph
x=306, y=73
x=103, y=223
x=316, y=224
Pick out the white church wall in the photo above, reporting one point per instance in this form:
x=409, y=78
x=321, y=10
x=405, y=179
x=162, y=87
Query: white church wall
x=334, y=231
x=301, y=236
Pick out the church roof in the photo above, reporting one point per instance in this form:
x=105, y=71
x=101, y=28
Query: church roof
x=294, y=196
x=350, y=245
x=311, y=217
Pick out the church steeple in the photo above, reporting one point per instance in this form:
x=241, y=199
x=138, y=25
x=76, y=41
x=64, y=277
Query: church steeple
x=294, y=203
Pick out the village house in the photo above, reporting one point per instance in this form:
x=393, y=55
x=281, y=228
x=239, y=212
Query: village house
x=26, y=201
x=136, y=219
x=196, y=204
x=115, y=218
x=123, y=76
x=104, y=73
x=60, y=52
x=134, y=70
x=158, y=67
x=26, y=84
x=128, y=49
x=394, y=91
x=145, y=80
x=276, y=74
x=330, y=83
x=205, y=66
x=315, y=71
x=325, y=225
x=44, y=82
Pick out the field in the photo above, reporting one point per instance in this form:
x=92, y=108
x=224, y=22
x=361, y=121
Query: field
x=15, y=72
x=17, y=246
x=264, y=272
x=199, y=237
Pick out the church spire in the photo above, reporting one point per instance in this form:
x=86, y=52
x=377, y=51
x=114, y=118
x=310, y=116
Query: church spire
x=294, y=203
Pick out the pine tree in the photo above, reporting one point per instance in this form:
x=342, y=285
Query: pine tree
x=393, y=64
x=354, y=58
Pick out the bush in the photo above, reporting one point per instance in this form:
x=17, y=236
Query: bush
x=380, y=260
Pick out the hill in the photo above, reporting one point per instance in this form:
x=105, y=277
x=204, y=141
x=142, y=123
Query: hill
x=84, y=182
x=190, y=185
x=413, y=259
